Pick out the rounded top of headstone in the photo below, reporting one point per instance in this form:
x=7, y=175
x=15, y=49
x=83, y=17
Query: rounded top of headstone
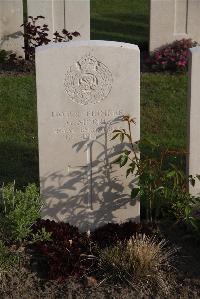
x=88, y=43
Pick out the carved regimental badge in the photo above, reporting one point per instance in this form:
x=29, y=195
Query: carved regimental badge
x=88, y=81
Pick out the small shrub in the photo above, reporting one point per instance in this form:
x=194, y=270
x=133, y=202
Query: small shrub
x=18, y=211
x=37, y=35
x=172, y=57
x=34, y=36
x=162, y=185
x=40, y=236
x=67, y=250
x=62, y=255
x=143, y=262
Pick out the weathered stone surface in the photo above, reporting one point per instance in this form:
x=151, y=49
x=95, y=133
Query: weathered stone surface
x=83, y=90
x=193, y=20
x=77, y=17
x=193, y=118
x=172, y=20
x=73, y=15
x=11, y=18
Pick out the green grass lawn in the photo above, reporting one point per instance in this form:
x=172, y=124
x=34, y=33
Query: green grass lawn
x=163, y=119
x=121, y=20
x=164, y=109
x=18, y=130
x=163, y=96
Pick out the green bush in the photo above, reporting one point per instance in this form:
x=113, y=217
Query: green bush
x=162, y=185
x=18, y=211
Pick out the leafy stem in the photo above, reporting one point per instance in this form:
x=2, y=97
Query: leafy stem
x=162, y=184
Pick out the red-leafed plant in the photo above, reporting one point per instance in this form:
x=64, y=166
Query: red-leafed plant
x=69, y=252
x=62, y=255
x=172, y=57
x=37, y=35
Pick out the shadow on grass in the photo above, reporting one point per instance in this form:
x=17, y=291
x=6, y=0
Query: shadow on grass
x=122, y=27
x=187, y=261
x=178, y=159
x=19, y=162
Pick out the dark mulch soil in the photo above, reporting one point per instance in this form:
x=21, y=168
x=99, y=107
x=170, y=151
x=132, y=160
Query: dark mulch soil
x=187, y=262
x=67, y=238
x=30, y=288
x=17, y=68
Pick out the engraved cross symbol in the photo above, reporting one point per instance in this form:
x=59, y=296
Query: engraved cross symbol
x=88, y=169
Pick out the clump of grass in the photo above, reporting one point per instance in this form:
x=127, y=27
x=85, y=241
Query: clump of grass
x=143, y=262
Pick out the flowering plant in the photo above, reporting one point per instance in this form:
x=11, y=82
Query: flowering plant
x=172, y=57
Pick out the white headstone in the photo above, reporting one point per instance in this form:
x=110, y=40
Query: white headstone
x=83, y=90
x=11, y=18
x=172, y=20
x=194, y=118
x=72, y=15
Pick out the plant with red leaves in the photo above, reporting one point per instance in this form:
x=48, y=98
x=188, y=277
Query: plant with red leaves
x=69, y=252
x=172, y=57
x=63, y=255
x=37, y=35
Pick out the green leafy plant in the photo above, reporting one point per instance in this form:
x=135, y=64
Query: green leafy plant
x=162, y=185
x=40, y=236
x=18, y=211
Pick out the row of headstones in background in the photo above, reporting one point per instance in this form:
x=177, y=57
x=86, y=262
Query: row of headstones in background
x=172, y=20
x=83, y=90
x=59, y=14
x=169, y=20
x=11, y=18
